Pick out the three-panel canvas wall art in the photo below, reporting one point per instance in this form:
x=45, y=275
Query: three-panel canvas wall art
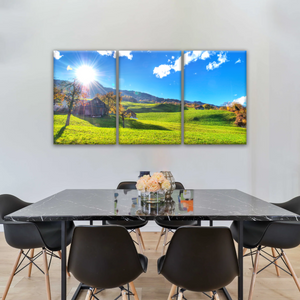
x=146, y=99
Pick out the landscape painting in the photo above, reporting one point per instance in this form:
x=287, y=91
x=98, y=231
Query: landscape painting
x=215, y=100
x=150, y=97
x=84, y=97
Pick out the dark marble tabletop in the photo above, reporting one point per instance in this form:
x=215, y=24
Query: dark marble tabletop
x=100, y=204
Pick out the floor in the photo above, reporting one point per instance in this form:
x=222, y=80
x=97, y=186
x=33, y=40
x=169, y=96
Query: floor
x=149, y=285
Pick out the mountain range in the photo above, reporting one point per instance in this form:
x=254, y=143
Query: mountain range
x=132, y=96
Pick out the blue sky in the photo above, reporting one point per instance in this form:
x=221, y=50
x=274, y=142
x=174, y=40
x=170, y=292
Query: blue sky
x=103, y=63
x=155, y=72
x=215, y=77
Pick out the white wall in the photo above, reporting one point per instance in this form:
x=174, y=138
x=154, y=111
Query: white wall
x=32, y=168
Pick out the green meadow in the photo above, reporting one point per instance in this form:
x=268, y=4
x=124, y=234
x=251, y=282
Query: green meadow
x=212, y=127
x=84, y=130
x=155, y=124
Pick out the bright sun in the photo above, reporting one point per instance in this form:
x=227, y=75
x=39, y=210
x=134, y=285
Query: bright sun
x=85, y=74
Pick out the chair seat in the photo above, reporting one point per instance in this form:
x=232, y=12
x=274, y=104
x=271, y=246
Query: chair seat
x=253, y=232
x=51, y=234
x=277, y=234
x=130, y=224
x=174, y=224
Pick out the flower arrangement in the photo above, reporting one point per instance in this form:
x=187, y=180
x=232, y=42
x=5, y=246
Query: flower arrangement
x=153, y=184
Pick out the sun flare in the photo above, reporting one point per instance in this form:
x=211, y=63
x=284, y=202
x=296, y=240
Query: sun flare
x=85, y=74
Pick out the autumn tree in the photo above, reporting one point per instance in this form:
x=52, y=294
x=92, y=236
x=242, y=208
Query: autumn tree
x=207, y=106
x=58, y=96
x=73, y=93
x=110, y=101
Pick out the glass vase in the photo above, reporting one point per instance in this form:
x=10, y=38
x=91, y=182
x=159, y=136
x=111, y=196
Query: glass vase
x=168, y=175
x=153, y=197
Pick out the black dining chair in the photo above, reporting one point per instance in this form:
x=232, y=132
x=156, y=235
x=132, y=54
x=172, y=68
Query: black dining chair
x=171, y=225
x=199, y=259
x=27, y=236
x=276, y=235
x=104, y=257
x=131, y=225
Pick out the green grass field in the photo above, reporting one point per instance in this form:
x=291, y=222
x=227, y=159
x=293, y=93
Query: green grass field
x=212, y=127
x=84, y=131
x=155, y=124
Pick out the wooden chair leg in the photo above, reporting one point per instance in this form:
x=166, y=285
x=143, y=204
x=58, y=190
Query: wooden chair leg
x=132, y=287
x=141, y=238
x=124, y=296
x=172, y=291
x=59, y=254
x=180, y=296
x=88, y=295
x=216, y=297
x=165, y=242
x=30, y=265
x=94, y=292
x=161, y=234
x=291, y=270
x=275, y=262
x=46, y=271
x=139, y=242
x=11, y=276
x=254, y=274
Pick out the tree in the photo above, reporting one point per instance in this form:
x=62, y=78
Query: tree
x=207, y=106
x=110, y=101
x=73, y=93
x=58, y=96
x=125, y=114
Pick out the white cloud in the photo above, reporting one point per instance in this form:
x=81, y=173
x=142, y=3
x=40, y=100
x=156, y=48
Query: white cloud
x=173, y=57
x=126, y=53
x=57, y=55
x=235, y=94
x=177, y=65
x=238, y=61
x=195, y=55
x=108, y=53
x=162, y=71
x=169, y=60
x=242, y=100
x=222, y=58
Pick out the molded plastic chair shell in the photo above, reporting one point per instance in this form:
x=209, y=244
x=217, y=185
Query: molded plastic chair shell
x=174, y=224
x=105, y=256
x=29, y=235
x=130, y=224
x=279, y=234
x=200, y=259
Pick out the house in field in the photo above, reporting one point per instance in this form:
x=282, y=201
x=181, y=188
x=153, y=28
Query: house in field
x=131, y=113
x=94, y=108
x=201, y=107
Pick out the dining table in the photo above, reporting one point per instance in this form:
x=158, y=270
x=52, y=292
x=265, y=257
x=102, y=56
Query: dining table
x=112, y=204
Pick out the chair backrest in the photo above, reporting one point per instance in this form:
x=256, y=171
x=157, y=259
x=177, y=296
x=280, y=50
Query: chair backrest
x=127, y=185
x=9, y=204
x=179, y=185
x=293, y=205
x=201, y=258
x=131, y=185
x=103, y=256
